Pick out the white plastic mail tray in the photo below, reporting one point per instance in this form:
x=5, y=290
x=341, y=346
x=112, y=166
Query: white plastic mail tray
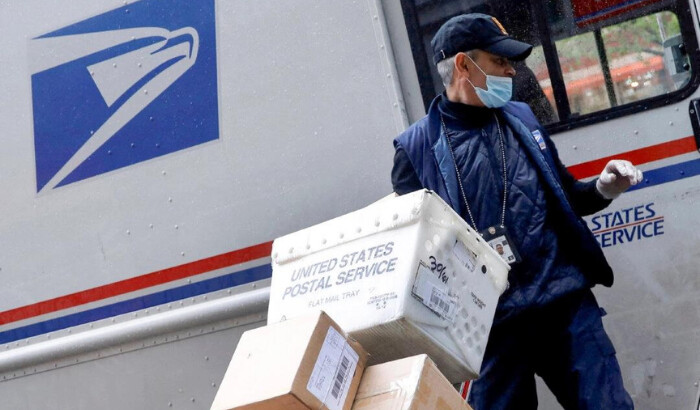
x=404, y=276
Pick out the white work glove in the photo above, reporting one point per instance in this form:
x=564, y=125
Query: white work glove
x=617, y=177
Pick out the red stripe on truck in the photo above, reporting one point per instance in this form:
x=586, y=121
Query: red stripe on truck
x=140, y=282
x=637, y=156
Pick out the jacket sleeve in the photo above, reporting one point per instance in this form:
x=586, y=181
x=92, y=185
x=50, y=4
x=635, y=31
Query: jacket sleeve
x=584, y=196
x=403, y=177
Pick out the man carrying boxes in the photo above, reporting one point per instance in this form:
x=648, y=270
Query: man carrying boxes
x=492, y=161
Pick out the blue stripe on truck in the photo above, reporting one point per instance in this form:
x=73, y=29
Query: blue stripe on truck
x=127, y=306
x=669, y=173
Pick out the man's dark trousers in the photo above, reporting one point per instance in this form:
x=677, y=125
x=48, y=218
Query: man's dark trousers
x=566, y=345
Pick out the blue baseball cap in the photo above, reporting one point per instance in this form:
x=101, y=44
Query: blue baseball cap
x=476, y=31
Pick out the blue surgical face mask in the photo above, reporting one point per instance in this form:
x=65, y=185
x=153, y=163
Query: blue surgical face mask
x=499, y=89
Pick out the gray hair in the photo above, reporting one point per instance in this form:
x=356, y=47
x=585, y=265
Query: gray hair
x=446, y=68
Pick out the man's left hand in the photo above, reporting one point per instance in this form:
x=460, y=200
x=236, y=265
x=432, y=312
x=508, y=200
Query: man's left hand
x=617, y=177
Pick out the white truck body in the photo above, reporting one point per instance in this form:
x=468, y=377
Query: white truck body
x=154, y=149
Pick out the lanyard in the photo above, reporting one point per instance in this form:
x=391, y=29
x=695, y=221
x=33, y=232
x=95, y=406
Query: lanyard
x=459, y=176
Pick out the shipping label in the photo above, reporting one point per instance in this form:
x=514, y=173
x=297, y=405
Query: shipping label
x=434, y=293
x=333, y=371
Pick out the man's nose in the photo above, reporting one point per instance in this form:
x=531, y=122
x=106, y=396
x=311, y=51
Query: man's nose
x=510, y=71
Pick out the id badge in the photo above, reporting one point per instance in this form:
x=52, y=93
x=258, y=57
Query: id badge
x=497, y=237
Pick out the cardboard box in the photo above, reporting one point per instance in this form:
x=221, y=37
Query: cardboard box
x=299, y=364
x=413, y=383
x=403, y=276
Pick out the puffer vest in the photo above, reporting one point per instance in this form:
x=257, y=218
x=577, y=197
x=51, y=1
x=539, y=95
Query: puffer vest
x=559, y=252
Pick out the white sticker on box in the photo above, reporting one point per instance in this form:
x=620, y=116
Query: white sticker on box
x=433, y=293
x=332, y=374
x=465, y=256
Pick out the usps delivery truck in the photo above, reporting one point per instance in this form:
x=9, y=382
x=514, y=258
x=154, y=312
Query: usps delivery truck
x=153, y=149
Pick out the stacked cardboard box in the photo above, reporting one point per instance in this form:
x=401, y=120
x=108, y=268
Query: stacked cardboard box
x=308, y=363
x=300, y=364
x=413, y=383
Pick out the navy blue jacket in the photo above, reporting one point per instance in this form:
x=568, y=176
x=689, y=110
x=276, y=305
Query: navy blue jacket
x=423, y=160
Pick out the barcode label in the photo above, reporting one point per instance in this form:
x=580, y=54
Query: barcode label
x=332, y=374
x=340, y=377
x=434, y=294
x=437, y=301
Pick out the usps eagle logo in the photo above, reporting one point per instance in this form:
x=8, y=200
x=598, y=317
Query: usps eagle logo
x=123, y=87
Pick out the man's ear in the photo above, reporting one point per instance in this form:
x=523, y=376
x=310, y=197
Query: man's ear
x=461, y=67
